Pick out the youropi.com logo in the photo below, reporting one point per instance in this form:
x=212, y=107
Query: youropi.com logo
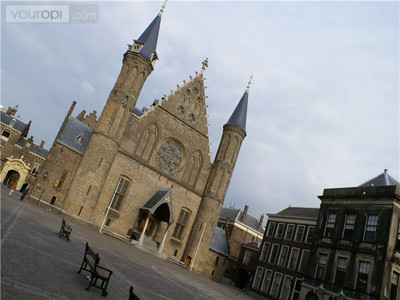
x=48, y=13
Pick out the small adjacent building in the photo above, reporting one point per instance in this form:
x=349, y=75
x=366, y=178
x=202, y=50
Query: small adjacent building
x=21, y=158
x=247, y=263
x=285, y=253
x=241, y=228
x=356, y=254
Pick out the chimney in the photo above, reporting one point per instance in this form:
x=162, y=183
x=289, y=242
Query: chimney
x=11, y=111
x=244, y=213
x=81, y=116
x=260, y=222
x=41, y=145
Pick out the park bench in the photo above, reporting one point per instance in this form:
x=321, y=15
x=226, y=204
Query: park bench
x=90, y=263
x=65, y=230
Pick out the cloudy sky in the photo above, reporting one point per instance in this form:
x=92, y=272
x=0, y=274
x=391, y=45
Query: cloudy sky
x=323, y=106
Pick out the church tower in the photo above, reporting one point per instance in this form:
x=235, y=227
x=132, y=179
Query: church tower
x=104, y=143
x=213, y=198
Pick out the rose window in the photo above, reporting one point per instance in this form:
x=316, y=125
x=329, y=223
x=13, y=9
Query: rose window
x=170, y=156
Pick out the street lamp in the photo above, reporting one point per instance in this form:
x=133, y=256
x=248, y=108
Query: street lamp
x=321, y=290
x=341, y=294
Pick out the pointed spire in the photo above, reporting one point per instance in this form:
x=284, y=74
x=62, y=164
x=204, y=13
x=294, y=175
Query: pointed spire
x=147, y=43
x=239, y=115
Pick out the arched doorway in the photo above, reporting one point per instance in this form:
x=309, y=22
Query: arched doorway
x=14, y=169
x=12, y=177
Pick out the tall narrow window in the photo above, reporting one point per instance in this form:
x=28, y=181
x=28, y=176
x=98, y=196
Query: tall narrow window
x=321, y=267
x=283, y=256
x=257, y=278
x=120, y=193
x=304, y=261
x=35, y=168
x=370, y=228
x=181, y=224
x=287, y=285
x=398, y=238
x=349, y=227
x=60, y=181
x=341, y=269
x=271, y=229
x=299, y=233
x=273, y=254
x=362, y=277
x=289, y=232
x=246, y=257
x=266, y=281
x=264, y=251
x=310, y=234
x=279, y=231
x=275, y=284
x=394, y=288
x=293, y=258
x=330, y=225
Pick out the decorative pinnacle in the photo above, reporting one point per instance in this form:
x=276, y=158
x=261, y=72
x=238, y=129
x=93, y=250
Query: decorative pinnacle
x=249, y=83
x=205, y=64
x=162, y=8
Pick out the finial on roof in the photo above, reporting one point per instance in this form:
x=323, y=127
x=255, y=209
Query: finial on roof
x=249, y=83
x=162, y=8
x=205, y=64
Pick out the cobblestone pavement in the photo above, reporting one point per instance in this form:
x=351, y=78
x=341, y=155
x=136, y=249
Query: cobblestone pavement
x=37, y=264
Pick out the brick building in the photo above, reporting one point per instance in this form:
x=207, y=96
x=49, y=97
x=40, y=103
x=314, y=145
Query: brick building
x=21, y=158
x=241, y=228
x=146, y=175
x=285, y=252
x=356, y=254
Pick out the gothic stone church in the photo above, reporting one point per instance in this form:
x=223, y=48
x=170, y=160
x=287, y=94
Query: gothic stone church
x=146, y=175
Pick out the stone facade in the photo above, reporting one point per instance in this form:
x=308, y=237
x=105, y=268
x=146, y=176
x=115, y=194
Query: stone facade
x=21, y=158
x=356, y=254
x=145, y=174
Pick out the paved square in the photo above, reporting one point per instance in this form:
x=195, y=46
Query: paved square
x=37, y=264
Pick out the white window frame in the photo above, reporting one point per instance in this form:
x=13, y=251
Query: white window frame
x=273, y=282
x=263, y=281
x=290, y=258
x=337, y=264
x=286, y=232
x=308, y=232
x=301, y=260
x=277, y=230
x=246, y=257
x=329, y=222
x=266, y=252
x=375, y=226
x=273, y=230
x=345, y=223
x=255, y=277
x=359, y=261
x=4, y=137
x=270, y=253
x=297, y=229
x=280, y=255
x=290, y=288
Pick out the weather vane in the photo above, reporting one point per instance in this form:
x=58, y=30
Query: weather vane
x=251, y=77
x=163, y=7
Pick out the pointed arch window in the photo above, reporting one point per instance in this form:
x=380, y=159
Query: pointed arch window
x=181, y=224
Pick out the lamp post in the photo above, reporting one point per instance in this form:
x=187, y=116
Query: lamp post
x=41, y=194
x=321, y=290
x=341, y=294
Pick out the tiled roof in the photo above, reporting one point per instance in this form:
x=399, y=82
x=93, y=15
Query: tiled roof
x=382, y=179
x=239, y=115
x=235, y=214
x=300, y=212
x=12, y=121
x=72, y=130
x=218, y=242
x=34, y=148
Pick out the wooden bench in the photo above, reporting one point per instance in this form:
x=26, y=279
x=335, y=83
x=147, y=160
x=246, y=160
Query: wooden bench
x=90, y=263
x=65, y=230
